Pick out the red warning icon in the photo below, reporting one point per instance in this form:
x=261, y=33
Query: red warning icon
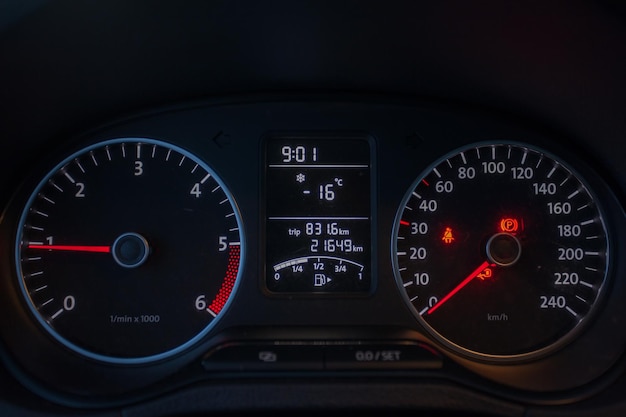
x=448, y=237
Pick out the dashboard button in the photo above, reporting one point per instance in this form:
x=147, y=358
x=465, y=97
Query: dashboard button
x=381, y=356
x=259, y=357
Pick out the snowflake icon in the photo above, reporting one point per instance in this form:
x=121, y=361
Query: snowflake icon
x=300, y=178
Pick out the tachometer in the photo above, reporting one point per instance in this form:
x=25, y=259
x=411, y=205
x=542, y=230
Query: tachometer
x=129, y=250
x=501, y=250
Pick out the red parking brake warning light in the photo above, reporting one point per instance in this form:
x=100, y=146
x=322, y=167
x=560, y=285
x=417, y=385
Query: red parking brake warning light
x=509, y=225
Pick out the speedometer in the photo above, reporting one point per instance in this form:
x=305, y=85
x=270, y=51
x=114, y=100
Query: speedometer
x=501, y=251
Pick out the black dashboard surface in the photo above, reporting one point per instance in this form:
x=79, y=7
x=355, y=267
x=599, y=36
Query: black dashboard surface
x=412, y=82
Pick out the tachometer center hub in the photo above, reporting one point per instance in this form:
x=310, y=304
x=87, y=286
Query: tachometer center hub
x=130, y=250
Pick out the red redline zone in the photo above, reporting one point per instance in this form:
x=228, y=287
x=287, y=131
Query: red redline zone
x=229, y=280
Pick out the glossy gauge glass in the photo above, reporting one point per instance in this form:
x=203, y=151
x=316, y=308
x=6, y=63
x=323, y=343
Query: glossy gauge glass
x=129, y=251
x=501, y=251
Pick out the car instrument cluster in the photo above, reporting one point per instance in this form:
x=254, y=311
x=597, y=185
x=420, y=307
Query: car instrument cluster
x=346, y=238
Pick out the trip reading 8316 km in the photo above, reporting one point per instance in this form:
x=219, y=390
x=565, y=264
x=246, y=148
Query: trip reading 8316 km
x=318, y=215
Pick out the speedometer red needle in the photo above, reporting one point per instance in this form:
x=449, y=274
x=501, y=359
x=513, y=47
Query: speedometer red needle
x=458, y=288
x=99, y=249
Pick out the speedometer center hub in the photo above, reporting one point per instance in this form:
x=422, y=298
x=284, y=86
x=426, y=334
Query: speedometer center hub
x=504, y=249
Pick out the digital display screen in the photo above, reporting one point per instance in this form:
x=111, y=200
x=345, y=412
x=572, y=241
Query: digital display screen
x=318, y=215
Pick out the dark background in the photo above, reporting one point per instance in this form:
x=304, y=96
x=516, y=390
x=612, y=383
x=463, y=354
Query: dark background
x=70, y=66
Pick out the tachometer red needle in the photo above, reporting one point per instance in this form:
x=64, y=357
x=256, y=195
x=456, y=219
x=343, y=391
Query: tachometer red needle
x=458, y=288
x=99, y=249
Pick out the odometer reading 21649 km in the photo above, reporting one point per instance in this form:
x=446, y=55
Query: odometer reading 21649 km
x=501, y=251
